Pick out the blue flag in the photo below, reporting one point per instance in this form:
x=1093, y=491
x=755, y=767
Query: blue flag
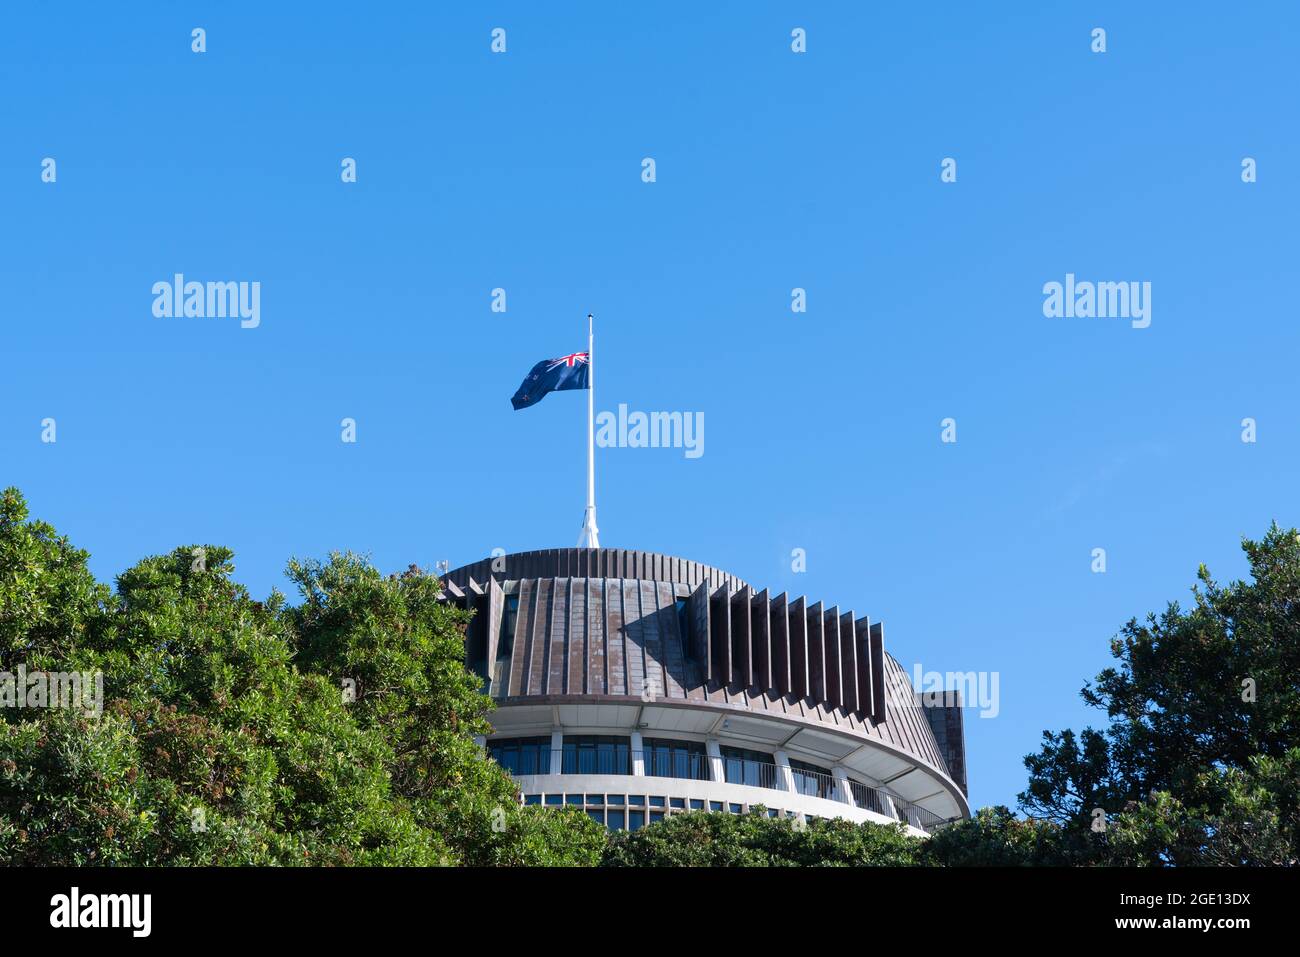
x=553, y=375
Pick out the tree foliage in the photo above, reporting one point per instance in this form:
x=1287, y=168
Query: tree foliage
x=995, y=837
x=756, y=840
x=226, y=736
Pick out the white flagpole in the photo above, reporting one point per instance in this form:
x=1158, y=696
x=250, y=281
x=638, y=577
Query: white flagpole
x=589, y=537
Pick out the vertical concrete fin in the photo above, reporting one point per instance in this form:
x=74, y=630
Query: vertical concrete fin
x=817, y=652
x=834, y=679
x=700, y=649
x=878, y=671
x=798, y=618
x=761, y=614
x=849, y=659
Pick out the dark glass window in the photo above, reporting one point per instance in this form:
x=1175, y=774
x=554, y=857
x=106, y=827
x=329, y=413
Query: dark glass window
x=476, y=645
x=656, y=801
x=677, y=802
x=615, y=799
x=670, y=758
x=683, y=608
x=522, y=755
x=667, y=758
x=573, y=799
x=635, y=820
x=597, y=816
x=715, y=805
x=739, y=649
x=754, y=768
x=596, y=754
x=533, y=799
x=733, y=808
x=509, y=614
x=812, y=780
x=505, y=644
x=595, y=799
x=615, y=820
x=697, y=804
x=636, y=800
x=656, y=816
x=554, y=799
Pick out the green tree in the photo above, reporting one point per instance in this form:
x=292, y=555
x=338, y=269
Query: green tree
x=215, y=746
x=756, y=840
x=995, y=837
x=1204, y=716
x=1245, y=817
x=403, y=652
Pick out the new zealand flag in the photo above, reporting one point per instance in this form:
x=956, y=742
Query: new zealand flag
x=552, y=375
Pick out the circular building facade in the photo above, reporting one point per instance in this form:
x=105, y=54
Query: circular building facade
x=638, y=685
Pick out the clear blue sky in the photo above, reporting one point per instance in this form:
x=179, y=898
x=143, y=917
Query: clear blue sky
x=775, y=170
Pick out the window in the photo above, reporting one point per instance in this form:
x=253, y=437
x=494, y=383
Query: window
x=476, y=646
x=596, y=754
x=683, y=609
x=812, y=780
x=677, y=803
x=615, y=820
x=505, y=644
x=597, y=816
x=715, y=805
x=666, y=758
x=742, y=766
x=697, y=804
x=522, y=755
x=635, y=820
x=533, y=799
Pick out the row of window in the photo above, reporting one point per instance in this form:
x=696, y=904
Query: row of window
x=602, y=754
x=669, y=758
x=633, y=811
x=663, y=757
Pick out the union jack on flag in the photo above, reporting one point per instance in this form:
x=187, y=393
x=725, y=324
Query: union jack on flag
x=568, y=360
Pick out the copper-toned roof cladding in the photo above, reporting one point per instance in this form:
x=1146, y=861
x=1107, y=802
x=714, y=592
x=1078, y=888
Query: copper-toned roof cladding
x=591, y=563
x=620, y=636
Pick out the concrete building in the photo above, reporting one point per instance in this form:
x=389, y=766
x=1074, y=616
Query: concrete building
x=637, y=685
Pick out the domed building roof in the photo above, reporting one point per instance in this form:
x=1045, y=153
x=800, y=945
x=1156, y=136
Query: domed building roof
x=613, y=638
